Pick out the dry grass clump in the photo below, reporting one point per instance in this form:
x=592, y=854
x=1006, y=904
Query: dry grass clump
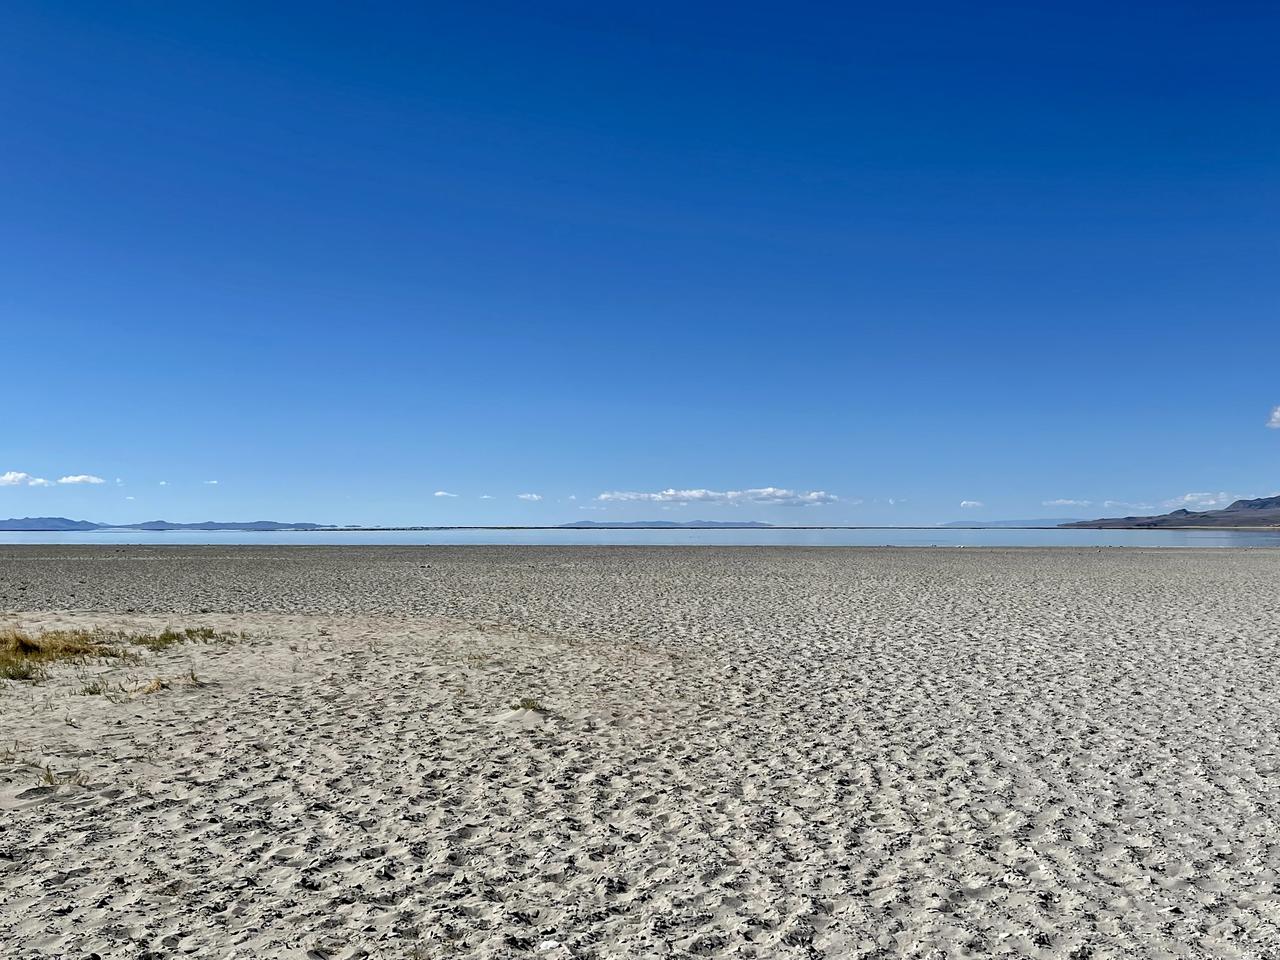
x=52, y=779
x=156, y=684
x=131, y=688
x=27, y=656
x=529, y=703
x=18, y=669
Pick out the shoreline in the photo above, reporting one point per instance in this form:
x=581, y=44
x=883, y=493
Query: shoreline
x=606, y=529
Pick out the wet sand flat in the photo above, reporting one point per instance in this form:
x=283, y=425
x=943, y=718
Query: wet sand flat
x=647, y=752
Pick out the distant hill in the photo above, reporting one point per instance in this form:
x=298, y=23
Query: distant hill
x=1262, y=512
x=662, y=524
x=62, y=523
x=47, y=523
x=1038, y=524
x=261, y=525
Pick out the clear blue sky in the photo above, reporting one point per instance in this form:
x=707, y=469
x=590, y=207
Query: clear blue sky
x=339, y=257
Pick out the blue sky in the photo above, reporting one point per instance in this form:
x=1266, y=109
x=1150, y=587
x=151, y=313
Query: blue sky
x=876, y=261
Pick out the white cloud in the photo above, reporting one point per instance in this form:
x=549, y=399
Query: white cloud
x=1066, y=502
x=573, y=496
x=485, y=496
x=164, y=483
x=1202, y=501
x=971, y=504
x=443, y=493
x=1274, y=422
x=210, y=483
x=894, y=501
x=1128, y=505
x=16, y=478
x=130, y=498
x=532, y=497
x=758, y=495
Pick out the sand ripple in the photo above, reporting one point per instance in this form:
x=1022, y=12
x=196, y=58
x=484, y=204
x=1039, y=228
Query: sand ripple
x=770, y=753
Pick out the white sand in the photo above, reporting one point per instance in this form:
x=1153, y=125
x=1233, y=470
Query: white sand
x=745, y=753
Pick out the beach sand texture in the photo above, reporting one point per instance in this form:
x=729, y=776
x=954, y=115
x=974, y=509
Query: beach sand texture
x=737, y=752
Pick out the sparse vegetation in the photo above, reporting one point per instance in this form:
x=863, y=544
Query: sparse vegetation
x=530, y=703
x=15, y=757
x=17, y=761
x=131, y=687
x=19, y=668
x=95, y=688
x=56, y=780
x=168, y=637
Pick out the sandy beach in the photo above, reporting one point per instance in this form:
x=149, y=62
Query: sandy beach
x=646, y=752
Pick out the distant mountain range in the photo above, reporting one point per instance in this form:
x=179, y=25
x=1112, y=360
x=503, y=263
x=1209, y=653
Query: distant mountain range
x=47, y=523
x=1263, y=512
x=62, y=523
x=54, y=524
x=218, y=525
x=1037, y=524
x=662, y=524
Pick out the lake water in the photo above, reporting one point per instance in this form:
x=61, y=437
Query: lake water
x=891, y=537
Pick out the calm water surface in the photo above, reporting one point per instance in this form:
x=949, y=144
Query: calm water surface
x=803, y=538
